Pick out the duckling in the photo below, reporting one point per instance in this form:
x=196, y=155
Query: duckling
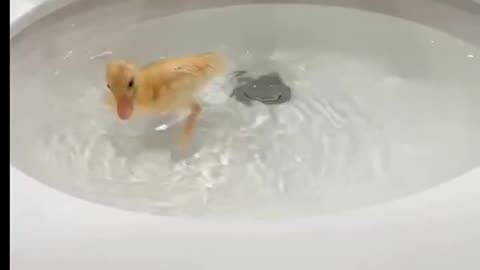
x=166, y=86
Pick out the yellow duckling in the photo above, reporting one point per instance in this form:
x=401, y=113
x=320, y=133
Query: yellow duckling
x=167, y=86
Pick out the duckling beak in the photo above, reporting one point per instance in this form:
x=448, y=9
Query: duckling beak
x=124, y=107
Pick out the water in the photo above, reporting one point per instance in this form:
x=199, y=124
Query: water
x=381, y=108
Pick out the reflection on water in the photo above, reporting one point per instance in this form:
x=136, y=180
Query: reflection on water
x=378, y=111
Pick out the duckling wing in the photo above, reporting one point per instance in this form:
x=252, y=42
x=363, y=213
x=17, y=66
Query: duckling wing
x=202, y=65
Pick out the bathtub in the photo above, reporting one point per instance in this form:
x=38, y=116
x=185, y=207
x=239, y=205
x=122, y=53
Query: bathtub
x=434, y=229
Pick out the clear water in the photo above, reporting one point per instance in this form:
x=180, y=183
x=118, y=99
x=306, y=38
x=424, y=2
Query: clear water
x=381, y=108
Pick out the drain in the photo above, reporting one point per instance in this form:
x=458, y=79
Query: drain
x=268, y=89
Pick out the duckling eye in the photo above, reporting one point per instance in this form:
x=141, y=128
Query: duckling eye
x=108, y=85
x=130, y=84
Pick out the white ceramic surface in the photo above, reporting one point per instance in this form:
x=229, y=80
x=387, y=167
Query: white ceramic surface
x=437, y=229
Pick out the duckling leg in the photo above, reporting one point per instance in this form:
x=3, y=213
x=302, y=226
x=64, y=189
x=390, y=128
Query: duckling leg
x=195, y=110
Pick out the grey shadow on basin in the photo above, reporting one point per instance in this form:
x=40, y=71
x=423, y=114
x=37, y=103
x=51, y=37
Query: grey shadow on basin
x=268, y=89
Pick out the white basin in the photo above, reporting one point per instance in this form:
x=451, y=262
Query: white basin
x=432, y=225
